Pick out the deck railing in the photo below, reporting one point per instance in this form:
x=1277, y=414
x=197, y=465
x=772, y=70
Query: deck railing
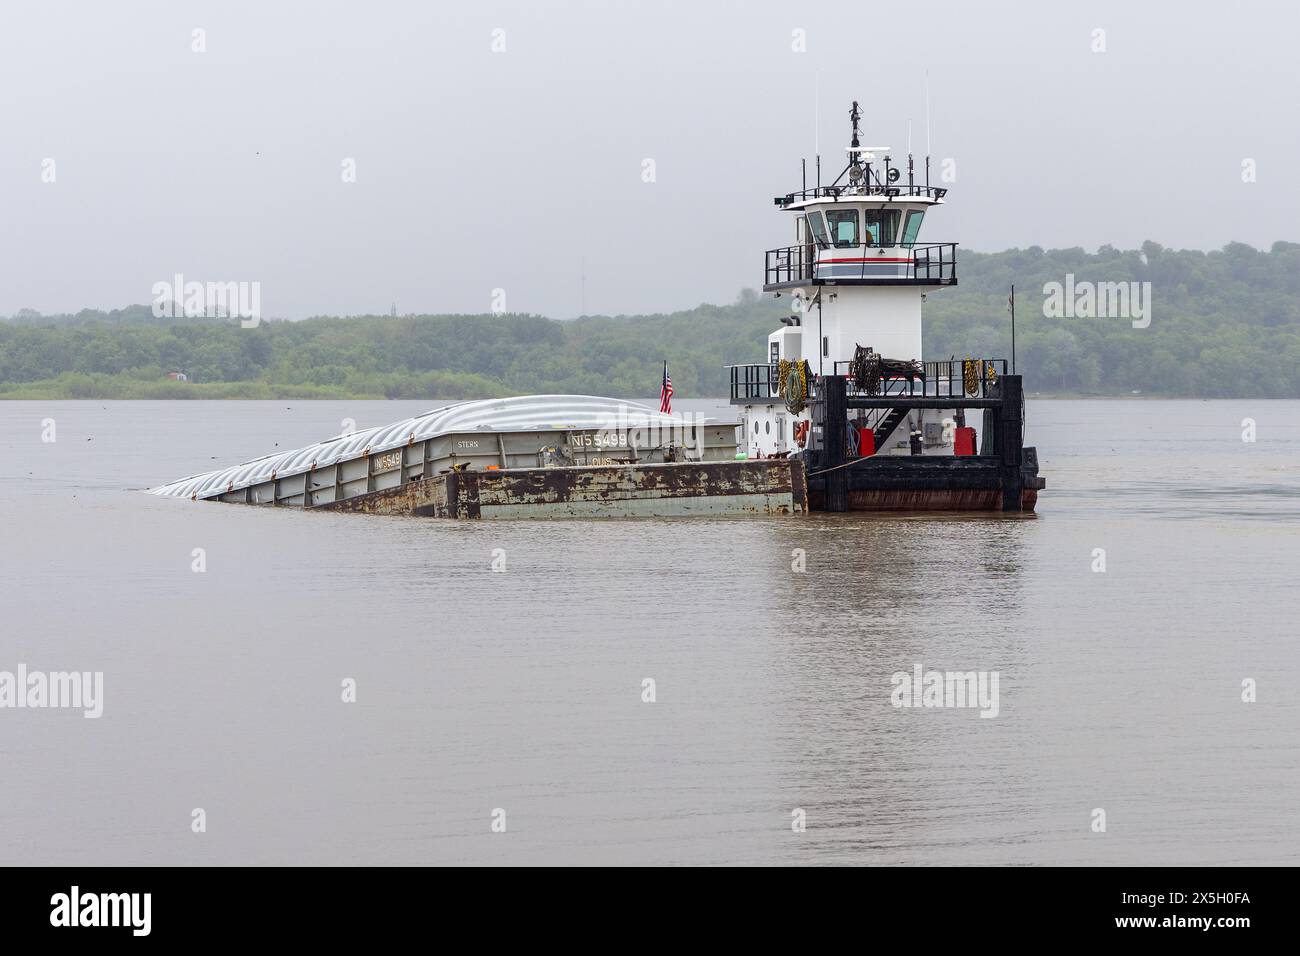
x=753, y=381
x=951, y=378
x=925, y=263
x=891, y=190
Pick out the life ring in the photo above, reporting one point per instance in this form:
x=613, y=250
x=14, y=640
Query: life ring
x=801, y=432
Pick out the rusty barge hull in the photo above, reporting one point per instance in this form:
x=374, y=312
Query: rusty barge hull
x=768, y=487
x=520, y=434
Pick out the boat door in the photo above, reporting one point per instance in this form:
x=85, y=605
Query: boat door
x=780, y=434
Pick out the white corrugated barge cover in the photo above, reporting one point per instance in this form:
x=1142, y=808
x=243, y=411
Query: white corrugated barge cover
x=524, y=413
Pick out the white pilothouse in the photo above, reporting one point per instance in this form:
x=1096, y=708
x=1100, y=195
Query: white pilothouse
x=857, y=277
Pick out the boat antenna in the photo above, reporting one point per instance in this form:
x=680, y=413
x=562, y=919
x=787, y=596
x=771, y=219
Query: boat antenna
x=855, y=155
x=817, y=125
x=927, y=129
x=909, y=156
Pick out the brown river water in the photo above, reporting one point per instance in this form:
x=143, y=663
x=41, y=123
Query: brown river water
x=522, y=690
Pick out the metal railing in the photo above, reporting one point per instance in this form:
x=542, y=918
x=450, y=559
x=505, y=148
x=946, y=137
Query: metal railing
x=790, y=264
x=950, y=378
x=753, y=381
x=936, y=262
x=925, y=263
x=874, y=189
x=946, y=379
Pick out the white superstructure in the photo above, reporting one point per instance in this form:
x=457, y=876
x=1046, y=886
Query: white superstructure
x=856, y=276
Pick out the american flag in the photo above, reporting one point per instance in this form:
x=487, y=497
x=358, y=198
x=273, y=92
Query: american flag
x=666, y=393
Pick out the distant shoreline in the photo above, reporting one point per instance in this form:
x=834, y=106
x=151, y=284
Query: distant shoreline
x=1226, y=324
x=261, y=392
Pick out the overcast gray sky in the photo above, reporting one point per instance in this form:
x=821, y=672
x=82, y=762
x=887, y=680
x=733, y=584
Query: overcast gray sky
x=522, y=169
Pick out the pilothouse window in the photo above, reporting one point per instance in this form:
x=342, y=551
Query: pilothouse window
x=817, y=228
x=843, y=225
x=913, y=226
x=879, y=226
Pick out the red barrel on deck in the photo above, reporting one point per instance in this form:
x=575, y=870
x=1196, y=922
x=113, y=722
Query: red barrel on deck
x=963, y=442
x=866, y=442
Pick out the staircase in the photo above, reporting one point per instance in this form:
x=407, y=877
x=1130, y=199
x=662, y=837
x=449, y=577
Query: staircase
x=885, y=426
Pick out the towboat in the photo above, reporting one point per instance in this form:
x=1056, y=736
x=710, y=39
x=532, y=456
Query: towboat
x=844, y=386
x=844, y=413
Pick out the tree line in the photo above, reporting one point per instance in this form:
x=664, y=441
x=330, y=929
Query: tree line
x=1224, y=323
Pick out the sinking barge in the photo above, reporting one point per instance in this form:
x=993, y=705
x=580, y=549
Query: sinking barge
x=842, y=414
x=554, y=456
x=539, y=456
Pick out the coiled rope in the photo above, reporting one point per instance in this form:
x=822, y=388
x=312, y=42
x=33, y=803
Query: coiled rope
x=792, y=384
x=865, y=370
x=970, y=375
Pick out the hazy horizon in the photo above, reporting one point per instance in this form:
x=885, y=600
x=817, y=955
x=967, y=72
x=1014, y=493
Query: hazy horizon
x=522, y=170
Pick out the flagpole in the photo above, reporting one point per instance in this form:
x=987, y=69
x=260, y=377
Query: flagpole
x=1013, y=328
